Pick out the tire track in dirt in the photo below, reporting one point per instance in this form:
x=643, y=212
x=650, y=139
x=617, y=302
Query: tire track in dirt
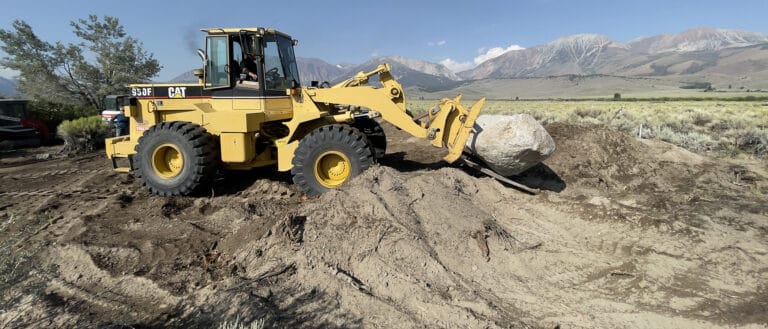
x=99, y=193
x=80, y=279
x=38, y=175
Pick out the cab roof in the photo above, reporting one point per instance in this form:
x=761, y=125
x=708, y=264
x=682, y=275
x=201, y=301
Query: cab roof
x=236, y=30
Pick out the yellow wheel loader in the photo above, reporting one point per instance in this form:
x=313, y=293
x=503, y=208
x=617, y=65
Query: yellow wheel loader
x=247, y=110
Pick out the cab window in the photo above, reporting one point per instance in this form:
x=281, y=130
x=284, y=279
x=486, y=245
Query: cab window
x=288, y=58
x=279, y=63
x=217, y=68
x=274, y=75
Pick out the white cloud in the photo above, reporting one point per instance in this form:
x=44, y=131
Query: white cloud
x=375, y=53
x=438, y=43
x=456, y=66
x=495, y=52
x=484, y=56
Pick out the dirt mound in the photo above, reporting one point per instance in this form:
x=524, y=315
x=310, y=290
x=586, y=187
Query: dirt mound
x=643, y=180
x=411, y=243
x=626, y=233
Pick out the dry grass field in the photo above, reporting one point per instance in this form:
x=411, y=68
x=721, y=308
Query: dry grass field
x=720, y=128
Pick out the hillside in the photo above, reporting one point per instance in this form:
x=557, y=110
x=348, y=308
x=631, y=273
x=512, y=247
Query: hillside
x=579, y=54
x=410, y=73
x=697, y=40
x=313, y=69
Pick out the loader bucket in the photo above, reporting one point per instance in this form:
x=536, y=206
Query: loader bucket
x=450, y=123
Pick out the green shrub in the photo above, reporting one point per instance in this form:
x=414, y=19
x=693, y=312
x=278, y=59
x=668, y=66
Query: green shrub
x=83, y=134
x=588, y=112
x=700, y=118
x=53, y=114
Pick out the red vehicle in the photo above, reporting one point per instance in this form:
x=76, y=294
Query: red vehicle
x=17, y=129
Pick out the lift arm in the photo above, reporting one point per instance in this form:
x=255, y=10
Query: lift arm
x=448, y=123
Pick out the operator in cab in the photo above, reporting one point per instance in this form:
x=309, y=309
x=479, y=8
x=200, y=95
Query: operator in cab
x=248, y=66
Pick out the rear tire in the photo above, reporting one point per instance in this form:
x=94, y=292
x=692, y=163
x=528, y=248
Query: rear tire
x=328, y=157
x=176, y=158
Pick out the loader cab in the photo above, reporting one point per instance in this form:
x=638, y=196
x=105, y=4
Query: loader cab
x=112, y=105
x=227, y=51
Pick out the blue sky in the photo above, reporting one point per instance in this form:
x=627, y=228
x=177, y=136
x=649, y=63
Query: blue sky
x=354, y=31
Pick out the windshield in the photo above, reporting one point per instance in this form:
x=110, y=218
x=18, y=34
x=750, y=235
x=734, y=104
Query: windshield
x=279, y=63
x=288, y=59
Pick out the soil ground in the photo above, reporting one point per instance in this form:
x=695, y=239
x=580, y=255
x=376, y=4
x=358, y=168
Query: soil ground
x=625, y=233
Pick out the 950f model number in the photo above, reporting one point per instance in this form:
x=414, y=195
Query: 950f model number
x=141, y=92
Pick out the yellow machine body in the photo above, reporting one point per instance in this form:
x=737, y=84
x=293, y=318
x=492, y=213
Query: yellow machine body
x=262, y=122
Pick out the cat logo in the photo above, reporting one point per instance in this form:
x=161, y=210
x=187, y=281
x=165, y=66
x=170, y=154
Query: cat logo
x=177, y=92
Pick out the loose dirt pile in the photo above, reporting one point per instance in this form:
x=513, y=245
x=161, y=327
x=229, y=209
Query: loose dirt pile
x=626, y=233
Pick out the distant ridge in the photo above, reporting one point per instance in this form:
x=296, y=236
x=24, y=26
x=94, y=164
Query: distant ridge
x=700, y=54
x=688, y=52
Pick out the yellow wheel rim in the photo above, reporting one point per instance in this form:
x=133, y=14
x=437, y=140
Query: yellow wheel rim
x=167, y=161
x=332, y=168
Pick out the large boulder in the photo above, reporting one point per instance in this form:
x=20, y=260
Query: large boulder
x=510, y=144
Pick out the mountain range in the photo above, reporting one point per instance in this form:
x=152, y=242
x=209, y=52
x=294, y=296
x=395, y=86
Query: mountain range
x=697, y=50
x=701, y=51
x=585, y=65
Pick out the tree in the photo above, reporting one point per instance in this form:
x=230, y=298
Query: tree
x=61, y=73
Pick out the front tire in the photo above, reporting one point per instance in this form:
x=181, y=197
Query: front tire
x=329, y=157
x=176, y=158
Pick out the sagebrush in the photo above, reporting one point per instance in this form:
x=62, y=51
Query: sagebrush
x=720, y=128
x=83, y=134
